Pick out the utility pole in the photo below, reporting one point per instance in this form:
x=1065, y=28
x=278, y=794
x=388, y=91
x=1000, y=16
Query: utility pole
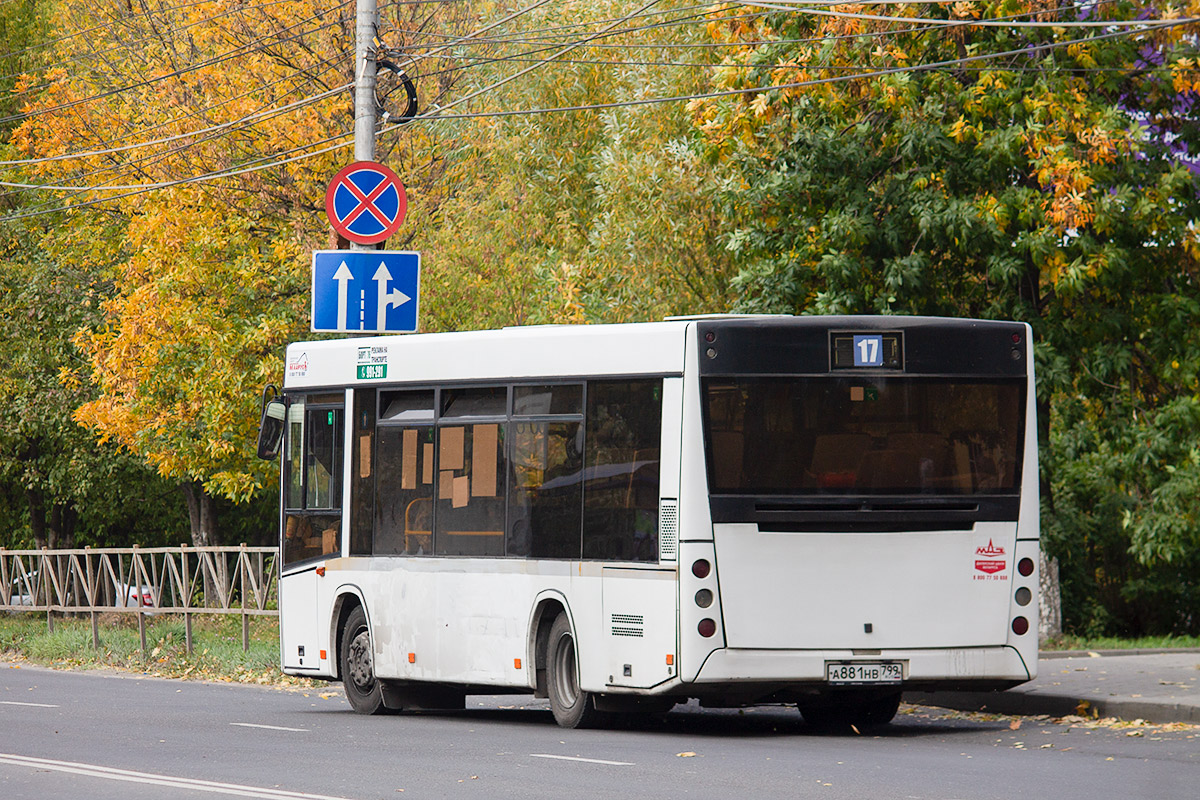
x=364, y=87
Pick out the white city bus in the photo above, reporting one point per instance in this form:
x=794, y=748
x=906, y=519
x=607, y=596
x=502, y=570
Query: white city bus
x=821, y=511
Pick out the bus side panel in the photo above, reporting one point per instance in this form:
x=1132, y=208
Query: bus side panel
x=465, y=620
x=298, y=622
x=639, y=626
x=669, y=469
x=695, y=517
x=695, y=529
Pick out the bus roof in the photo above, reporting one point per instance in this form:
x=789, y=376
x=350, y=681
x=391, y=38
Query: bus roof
x=550, y=351
x=541, y=351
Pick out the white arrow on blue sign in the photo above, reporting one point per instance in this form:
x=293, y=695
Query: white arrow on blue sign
x=365, y=291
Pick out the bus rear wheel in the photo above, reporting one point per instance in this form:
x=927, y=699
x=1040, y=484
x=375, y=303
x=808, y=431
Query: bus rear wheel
x=358, y=666
x=572, y=707
x=861, y=712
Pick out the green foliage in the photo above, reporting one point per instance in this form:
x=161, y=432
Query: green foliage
x=52, y=468
x=22, y=30
x=591, y=216
x=1045, y=187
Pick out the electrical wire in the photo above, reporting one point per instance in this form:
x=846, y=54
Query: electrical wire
x=284, y=109
x=250, y=47
x=979, y=23
x=439, y=114
x=733, y=43
x=258, y=116
x=1029, y=51
x=215, y=175
x=148, y=17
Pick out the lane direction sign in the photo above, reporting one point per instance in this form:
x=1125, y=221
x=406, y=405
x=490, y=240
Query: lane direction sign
x=365, y=202
x=365, y=291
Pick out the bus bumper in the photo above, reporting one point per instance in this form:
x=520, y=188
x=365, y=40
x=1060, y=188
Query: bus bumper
x=972, y=667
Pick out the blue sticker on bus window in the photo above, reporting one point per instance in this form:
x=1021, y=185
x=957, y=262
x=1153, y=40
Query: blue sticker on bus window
x=868, y=351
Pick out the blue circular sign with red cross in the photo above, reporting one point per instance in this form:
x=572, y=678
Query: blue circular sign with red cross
x=365, y=202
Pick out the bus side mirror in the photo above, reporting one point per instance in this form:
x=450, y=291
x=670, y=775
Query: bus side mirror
x=270, y=425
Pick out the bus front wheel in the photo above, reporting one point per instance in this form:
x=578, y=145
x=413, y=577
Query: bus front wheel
x=572, y=707
x=358, y=666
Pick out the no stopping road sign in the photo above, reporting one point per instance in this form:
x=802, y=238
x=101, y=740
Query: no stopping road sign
x=365, y=202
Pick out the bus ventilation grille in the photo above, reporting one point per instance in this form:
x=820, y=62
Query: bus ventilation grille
x=668, y=529
x=628, y=625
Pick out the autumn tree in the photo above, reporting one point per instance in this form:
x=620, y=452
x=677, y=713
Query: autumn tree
x=1022, y=167
x=200, y=137
x=572, y=198
x=69, y=489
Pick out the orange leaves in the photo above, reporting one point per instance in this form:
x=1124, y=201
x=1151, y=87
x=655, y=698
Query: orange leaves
x=1070, y=206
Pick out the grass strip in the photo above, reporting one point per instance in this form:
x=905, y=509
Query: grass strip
x=216, y=655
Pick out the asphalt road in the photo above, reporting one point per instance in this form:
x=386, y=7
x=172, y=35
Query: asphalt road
x=93, y=735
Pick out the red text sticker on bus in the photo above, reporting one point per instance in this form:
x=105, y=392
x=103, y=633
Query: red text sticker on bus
x=988, y=560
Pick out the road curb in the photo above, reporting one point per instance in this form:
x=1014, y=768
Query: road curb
x=1147, y=651
x=1027, y=704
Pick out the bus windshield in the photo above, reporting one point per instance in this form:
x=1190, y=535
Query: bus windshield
x=863, y=435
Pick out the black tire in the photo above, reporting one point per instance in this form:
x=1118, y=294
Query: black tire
x=572, y=707
x=358, y=666
x=879, y=711
x=868, y=712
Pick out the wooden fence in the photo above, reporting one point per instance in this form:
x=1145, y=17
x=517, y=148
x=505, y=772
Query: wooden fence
x=143, y=581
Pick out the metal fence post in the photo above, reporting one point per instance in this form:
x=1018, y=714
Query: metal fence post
x=44, y=588
x=87, y=559
x=187, y=596
x=243, y=562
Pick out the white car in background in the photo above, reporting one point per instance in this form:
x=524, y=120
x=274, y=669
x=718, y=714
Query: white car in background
x=132, y=596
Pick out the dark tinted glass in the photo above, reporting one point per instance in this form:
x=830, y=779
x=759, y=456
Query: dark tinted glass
x=323, y=458
x=863, y=435
x=538, y=401
x=490, y=401
x=404, y=494
x=362, y=473
x=545, y=489
x=470, y=490
x=406, y=406
x=624, y=423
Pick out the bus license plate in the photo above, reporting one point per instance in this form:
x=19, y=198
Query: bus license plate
x=846, y=673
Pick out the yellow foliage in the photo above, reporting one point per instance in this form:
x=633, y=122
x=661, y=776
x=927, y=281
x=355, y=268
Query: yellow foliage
x=211, y=277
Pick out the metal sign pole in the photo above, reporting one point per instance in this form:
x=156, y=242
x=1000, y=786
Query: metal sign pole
x=364, y=87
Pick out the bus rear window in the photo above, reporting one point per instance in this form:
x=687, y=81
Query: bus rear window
x=863, y=435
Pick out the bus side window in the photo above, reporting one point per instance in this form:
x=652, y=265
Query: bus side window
x=404, y=504
x=620, y=495
x=405, y=478
x=313, y=499
x=545, y=488
x=470, y=490
x=362, y=473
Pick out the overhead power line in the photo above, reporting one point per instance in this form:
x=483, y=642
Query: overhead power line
x=978, y=23
x=250, y=47
x=440, y=114
x=1029, y=51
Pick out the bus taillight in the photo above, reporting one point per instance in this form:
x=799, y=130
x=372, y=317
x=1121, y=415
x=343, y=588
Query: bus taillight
x=1025, y=567
x=708, y=627
x=1020, y=626
x=701, y=568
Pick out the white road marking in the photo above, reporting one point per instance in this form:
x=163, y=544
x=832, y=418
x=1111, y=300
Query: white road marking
x=96, y=771
x=584, y=760
x=268, y=727
x=32, y=705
